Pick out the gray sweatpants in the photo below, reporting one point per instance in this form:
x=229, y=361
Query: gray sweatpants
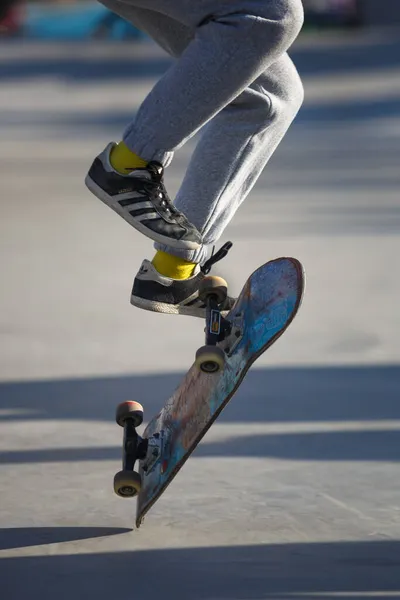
x=232, y=79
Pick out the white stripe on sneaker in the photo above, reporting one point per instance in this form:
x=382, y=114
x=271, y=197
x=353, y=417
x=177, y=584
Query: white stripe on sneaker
x=146, y=216
x=128, y=196
x=143, y=204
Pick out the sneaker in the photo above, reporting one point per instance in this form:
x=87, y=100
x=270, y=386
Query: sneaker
x=142, y=200
x=152, y=291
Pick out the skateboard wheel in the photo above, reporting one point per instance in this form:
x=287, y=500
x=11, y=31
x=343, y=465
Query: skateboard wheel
x=127, y=484
x=213, y=285
x=210, y=359
x=129, y=410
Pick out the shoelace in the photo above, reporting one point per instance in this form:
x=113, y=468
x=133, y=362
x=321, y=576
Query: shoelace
x=214, y=258
x=157, y=191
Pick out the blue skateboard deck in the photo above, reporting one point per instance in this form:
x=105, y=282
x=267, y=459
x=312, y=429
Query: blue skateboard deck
x=264, y=309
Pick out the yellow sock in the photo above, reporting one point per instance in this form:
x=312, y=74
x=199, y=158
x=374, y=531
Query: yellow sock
x=173, y=266
x=124, y=160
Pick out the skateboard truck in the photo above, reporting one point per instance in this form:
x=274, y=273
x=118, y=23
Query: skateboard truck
x=129, y=415
x=210, y=358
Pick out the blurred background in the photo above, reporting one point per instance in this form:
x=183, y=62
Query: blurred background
x=294, y=492
x=83, y=19
x=86, y=19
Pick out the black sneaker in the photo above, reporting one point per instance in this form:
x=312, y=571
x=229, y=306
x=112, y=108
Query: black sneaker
x=142, y=200
x=158, y=293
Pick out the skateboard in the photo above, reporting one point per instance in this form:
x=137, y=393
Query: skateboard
x=264, y=309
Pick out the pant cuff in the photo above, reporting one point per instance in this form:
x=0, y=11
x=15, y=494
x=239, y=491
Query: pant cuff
x=198, y=256
x=146, y=149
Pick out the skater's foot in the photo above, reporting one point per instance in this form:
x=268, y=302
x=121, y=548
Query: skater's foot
x=141, y=199
x=160, y=293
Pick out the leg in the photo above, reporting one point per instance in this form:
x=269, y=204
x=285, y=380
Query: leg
x=233, y=150
x=238, y=141
x=229, y=157
x=228, y=52
x=237, y=70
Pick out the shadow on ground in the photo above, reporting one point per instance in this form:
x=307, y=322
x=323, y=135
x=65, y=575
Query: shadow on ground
x=21, y=537
x=235, y=573
x=295, y=394
x=286, y=395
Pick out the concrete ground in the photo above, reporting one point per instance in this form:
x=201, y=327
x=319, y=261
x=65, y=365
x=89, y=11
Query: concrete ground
x=295, y=490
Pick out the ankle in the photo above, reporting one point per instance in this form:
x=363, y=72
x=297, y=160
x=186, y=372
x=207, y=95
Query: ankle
x=124, y=161
x=173, y=266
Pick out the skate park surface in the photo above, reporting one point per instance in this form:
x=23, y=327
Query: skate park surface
x=294, y=492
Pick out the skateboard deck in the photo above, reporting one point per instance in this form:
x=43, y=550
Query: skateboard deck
x=264, y=309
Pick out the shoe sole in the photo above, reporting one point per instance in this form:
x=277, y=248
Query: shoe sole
x=153, y=235
x=171, y=309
